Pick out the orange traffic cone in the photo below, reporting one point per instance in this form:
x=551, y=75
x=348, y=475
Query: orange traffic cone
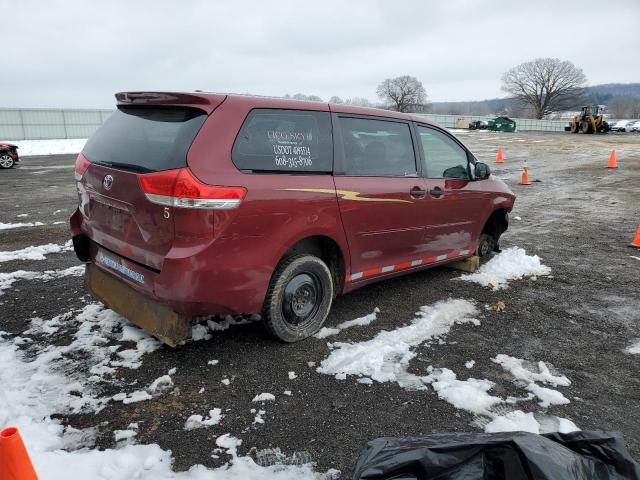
x=636, y=241
x=613, y=160
x=524, y=178
x=15, y=463
x=499, y=158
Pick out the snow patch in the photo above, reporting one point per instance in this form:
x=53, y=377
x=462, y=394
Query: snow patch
x=519, y=421
x=264, y=397
x=35, y=252
x=516, y=421
x=528, y=373
x=258, y=418
x=50, y=147
x=203, y=331
x=133, y=397
x=119, y=435
x=634, y=348
x=385, y=358
x=9, y=226
x=518, y=368
x=197, y=421
x=362, y=321
x=547, y=396
x=510, y=264
x=8, y=279
x=470, y=395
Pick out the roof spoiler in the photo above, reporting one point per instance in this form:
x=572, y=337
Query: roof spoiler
x=207, y=102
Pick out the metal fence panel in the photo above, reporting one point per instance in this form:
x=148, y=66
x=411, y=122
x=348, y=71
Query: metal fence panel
x=40, y=132
x=522, y=124
x=38, y=124
x=42, y=117
x=11, y=132
x=34, y=124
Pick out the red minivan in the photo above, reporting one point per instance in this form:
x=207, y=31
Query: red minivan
x=196, y=204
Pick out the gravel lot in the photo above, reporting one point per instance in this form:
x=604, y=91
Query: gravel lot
x=577, y=216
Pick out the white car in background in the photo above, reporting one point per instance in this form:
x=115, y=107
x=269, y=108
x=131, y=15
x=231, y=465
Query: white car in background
x=621, y=126
x=635, y=126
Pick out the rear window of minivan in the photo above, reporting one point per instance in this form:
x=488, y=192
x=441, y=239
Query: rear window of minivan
x=145, y=139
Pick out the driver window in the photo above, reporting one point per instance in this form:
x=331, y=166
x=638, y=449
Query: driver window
x=444, y=158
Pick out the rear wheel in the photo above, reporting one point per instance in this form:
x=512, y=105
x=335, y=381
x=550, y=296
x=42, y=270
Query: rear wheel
x=486, y=245
x=299, y=298
x=6, y=161
x=585, y=127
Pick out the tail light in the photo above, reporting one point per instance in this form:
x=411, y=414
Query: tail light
x=82, y=164
x=179, y=188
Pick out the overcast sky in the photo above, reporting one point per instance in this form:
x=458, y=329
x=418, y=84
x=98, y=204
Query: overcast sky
x=78, y=53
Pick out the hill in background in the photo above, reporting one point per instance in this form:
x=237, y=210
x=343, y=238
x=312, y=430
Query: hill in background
x=622, y=101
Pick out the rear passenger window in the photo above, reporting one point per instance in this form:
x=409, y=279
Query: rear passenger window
x=444, y=157
x=377, y=148
x=284, y=141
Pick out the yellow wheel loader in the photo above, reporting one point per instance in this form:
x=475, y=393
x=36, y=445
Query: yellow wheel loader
x=590, y=120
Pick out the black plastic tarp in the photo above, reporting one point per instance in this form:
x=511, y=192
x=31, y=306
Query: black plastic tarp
x=510, y=455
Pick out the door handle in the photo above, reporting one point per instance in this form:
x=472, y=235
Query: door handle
x=436, y=192
x=417, y=192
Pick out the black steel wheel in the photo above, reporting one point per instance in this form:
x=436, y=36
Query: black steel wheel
x=486, y=245
x=298, y=299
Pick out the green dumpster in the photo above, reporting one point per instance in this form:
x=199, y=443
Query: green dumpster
x=501, y=124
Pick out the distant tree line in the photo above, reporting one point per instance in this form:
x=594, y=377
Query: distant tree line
x=355, y=101
x=537, y=89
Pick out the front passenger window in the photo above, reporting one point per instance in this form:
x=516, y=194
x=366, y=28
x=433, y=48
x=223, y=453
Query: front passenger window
x=443, y=156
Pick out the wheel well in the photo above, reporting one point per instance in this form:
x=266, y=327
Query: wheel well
x=326, y=249
x=496, y=224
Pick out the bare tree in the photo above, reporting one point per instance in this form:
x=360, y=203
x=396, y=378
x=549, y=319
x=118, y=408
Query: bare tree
x=309, y=98
x=335, y=99
x=359, y=102
x=546, y=84
x=401, y=92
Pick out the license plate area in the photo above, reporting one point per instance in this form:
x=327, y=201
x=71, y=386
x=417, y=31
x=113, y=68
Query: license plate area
x=130, y=272
x=109, y=211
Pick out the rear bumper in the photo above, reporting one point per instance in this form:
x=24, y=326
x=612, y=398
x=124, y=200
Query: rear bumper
x=190, y=284
x=153, y=317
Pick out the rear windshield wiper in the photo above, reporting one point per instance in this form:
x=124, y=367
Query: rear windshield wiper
x=125, y=166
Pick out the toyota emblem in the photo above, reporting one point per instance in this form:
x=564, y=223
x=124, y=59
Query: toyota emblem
x=107, y=182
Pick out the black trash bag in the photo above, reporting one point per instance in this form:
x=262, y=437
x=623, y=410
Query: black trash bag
x=506, y=455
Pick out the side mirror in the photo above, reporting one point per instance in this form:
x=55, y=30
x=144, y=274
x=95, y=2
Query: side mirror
x=482, y=171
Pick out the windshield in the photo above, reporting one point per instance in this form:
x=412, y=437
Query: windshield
x=145, y=139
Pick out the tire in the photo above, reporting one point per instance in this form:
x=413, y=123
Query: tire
x=585, y=127
x=486, y=245
x=6, y=161
x=574, y=127
x=298, y=299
